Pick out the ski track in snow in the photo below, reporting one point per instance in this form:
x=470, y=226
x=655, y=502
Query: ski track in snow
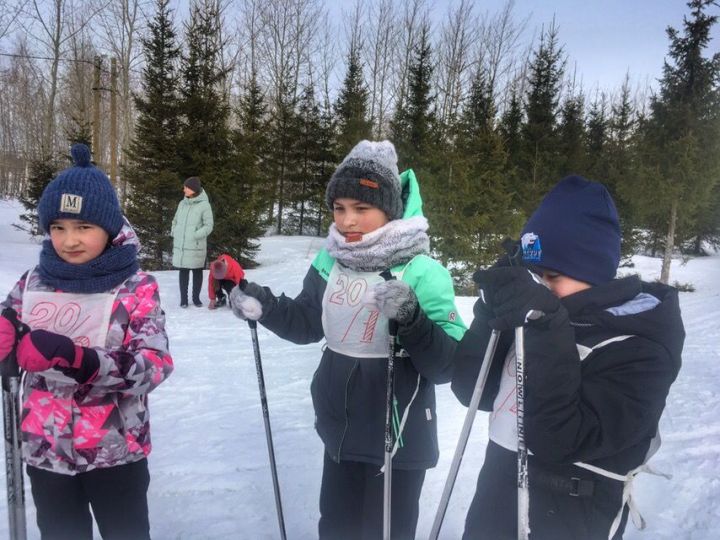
x=209, y=465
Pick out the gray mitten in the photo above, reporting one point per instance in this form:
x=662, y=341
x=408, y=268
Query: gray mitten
x=246, y=301
x=394, y=299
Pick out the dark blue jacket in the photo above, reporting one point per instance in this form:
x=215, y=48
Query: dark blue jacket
x=603, y=410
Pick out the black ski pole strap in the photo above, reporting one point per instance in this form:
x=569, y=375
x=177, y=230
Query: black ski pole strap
x=513, y=251
x=9, y=367
x=392, y=323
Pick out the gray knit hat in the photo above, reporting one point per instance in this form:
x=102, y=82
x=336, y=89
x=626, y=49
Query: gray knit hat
x=369, y=173
x=194, y=184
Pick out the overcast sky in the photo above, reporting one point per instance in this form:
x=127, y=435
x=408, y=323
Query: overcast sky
x=604, y=38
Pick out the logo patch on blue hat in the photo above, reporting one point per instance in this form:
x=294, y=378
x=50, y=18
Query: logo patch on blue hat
x=531, y=247
x=72, y=204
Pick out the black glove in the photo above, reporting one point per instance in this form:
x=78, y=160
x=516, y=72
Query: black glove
x=515, y=296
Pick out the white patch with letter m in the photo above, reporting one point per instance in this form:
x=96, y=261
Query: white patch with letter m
x=71, y=203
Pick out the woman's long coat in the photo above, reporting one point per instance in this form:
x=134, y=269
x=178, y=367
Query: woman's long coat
x=192, y=224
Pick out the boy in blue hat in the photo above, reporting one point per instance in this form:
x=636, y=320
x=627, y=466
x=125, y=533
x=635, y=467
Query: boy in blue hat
x=93, y=345
x=600, y=356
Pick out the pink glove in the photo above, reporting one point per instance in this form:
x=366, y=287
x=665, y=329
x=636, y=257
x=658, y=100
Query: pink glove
x=41, y=350
x=10, y=330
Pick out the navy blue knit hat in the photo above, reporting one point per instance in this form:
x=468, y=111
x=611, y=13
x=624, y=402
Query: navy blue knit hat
x=81, y=192
x=575, y=231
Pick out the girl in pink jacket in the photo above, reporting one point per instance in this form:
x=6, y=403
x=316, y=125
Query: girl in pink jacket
x=93, y=345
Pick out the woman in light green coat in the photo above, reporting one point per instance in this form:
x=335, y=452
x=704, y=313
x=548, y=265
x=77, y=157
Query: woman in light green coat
x=192, y=224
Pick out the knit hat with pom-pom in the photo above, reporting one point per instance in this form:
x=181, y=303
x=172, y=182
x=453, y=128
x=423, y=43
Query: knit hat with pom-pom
x=81, y=192
x=369, y=173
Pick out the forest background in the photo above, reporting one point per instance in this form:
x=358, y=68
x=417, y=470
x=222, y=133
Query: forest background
x=262, y=100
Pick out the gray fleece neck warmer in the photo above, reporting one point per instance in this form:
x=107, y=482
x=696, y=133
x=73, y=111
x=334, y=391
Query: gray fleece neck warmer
x=394, y=243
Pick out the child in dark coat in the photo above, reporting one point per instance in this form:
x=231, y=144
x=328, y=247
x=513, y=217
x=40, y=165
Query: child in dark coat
x=600, y=356
x=378, y=227
x=95, y=347
x=225, y=273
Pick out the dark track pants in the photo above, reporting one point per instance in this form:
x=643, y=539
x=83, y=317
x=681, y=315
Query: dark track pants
x=117, y=496
x=554, y=514
x=197, y=280
x=222, y=287
x=351, y=501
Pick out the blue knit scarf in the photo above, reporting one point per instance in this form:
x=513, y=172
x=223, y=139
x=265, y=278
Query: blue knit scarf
x=105, y=272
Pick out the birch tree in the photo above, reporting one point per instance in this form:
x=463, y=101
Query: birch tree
x=47, y=22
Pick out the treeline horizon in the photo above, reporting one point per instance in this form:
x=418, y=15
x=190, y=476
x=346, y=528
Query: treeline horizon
x=242, y=95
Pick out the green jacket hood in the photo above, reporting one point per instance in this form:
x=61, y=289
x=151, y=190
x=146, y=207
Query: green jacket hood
x=202, y=196
x=410, y=188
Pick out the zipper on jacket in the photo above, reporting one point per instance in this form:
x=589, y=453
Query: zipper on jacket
x=347, y=422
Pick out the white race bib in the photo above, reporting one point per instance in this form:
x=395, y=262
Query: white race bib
x=351, y=328
x=84, y=318
x=503, y=419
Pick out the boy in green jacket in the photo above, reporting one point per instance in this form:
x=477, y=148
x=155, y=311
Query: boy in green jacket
x=378, y=226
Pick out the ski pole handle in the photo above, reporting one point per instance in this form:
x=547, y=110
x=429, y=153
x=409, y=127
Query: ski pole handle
x=393, y=328
x=9, y=367
x=243, y=284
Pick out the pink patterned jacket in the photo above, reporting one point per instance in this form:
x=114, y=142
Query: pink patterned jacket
x=70, y=428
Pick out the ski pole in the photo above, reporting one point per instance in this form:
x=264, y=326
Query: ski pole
x=268, y=432
x=387, y=486
x=522, y=457
x=13, y=459
x=464, y=435
x=389, y=394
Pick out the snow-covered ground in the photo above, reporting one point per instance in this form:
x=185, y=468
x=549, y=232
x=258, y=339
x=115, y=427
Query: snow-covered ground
x=209, y=465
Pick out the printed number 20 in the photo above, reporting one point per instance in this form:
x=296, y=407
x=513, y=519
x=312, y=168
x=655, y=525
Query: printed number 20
x=348, y=290
x=65, y=321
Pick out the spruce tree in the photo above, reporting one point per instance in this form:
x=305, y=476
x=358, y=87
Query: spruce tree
x=328, y=160
x=41, y=172
x=679, y=153
x=707, y=226
x=476, y=199
x=539, y=155
x=571, y=135
x=308, y=180
x=283, y=136
x=152, y=163
x=351, y=106
x=619, y=157
x=413, y=126
x=510, y=130
x=205, y=142
x=249, y=146
x=596, y=159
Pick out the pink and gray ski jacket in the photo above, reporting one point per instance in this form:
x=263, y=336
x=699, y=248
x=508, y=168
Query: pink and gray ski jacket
x=70, y=428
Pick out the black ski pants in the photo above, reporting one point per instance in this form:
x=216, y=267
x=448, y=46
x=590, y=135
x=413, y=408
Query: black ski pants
x=117, y=496
x=557, y=510
x=197, y=281
x=351, y=501
x=222, y=287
